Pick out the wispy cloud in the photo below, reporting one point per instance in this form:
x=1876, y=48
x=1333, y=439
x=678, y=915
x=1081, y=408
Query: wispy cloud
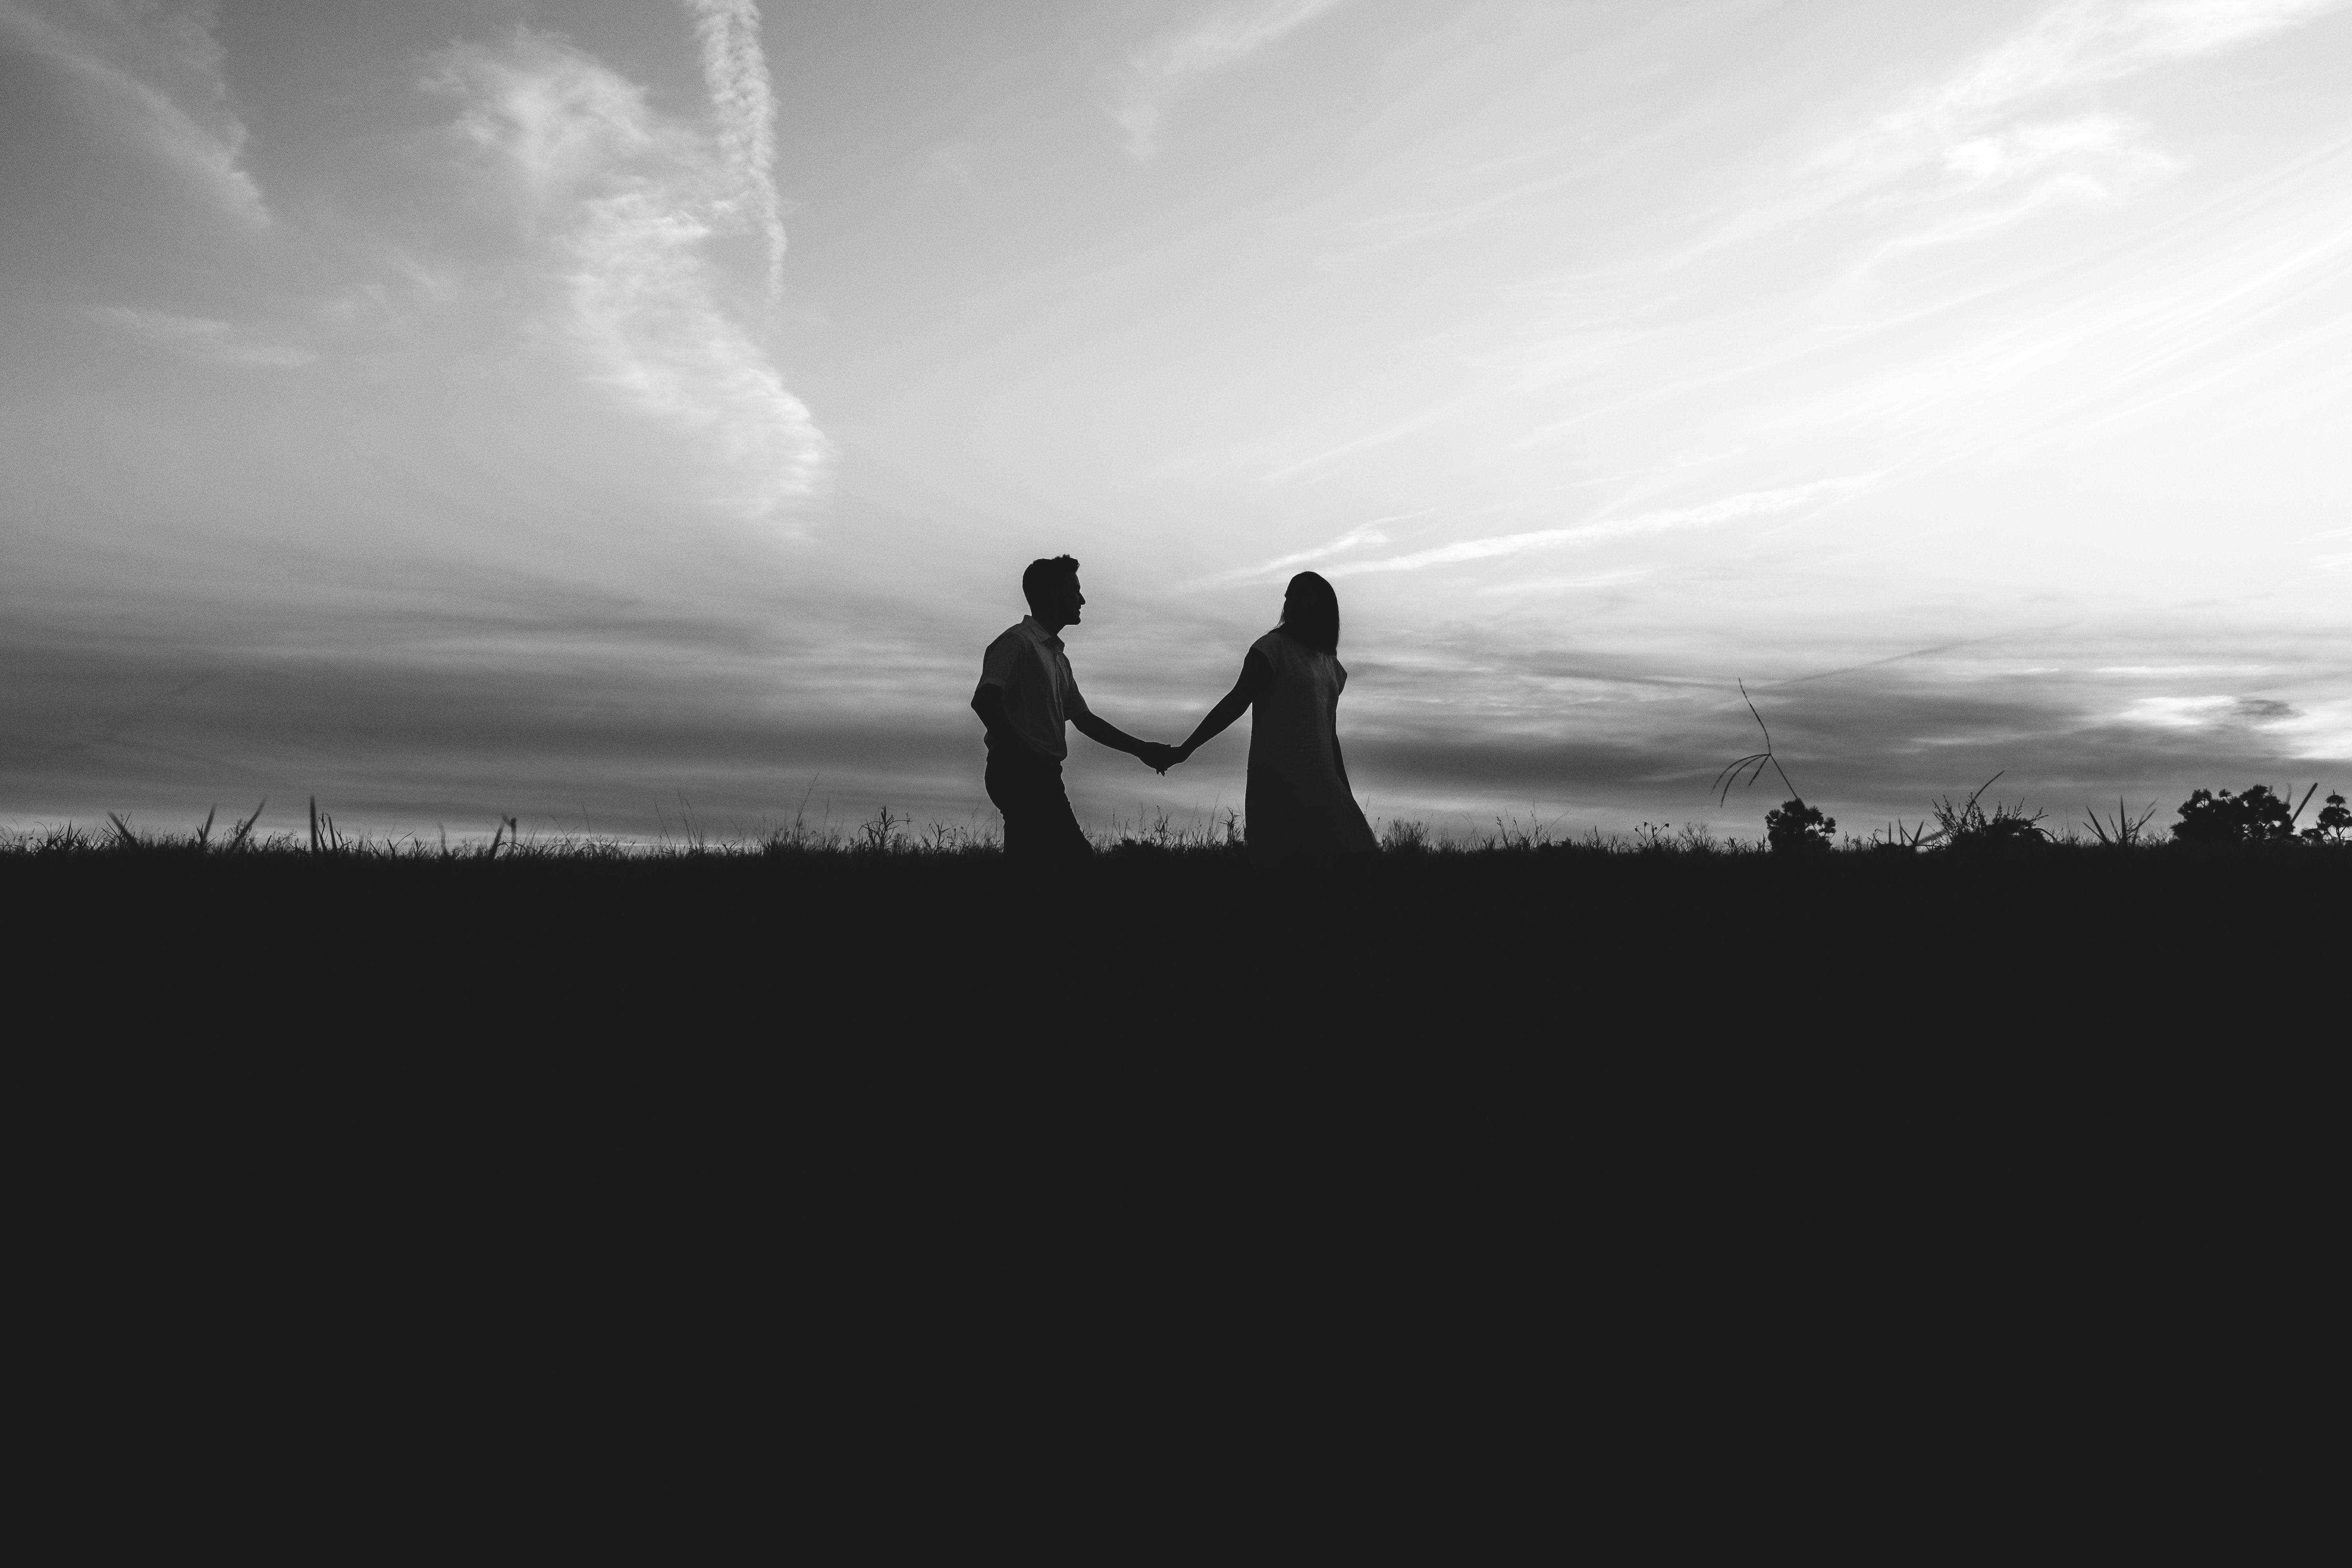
x=1165, y=67
x=1958, y=143
x=631, y=199
x=151, y=72
x=743, y=103
x=949, y=164
x=2074, y=45
x=201, y=338
x=2088, y=41
x=1567, y=584
x=1368, y=533
x=1753, y=503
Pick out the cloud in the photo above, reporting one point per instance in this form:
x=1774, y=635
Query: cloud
x=627, y=201
x=2090, y=159
x=2088, y=41
x=743, y=104
x=201, y=338
x=1163, y=68
x=1568, y=584
x=2198, y=712
x=644, y=313
x=1754, y=503
x=151, y=73
x=1368, y=533
x=949, y=164
x=1962, y=125
x=2031, y=149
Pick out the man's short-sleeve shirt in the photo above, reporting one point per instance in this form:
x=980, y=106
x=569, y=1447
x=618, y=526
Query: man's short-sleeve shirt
x=1040, y=693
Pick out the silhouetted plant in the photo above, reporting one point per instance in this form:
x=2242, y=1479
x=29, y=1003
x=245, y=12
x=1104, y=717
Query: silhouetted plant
x=881, y=833
x=1967, y=827
x=324, y=839
x=1405, y=837
x=1901, y=839
x=2257, y=816
x=1799, y=828
x=1509, y=834
x=2333, y=825
x=1695, y=839
x=1730, y=776
x=1795, y=827
x=2122, y=831
x=243, y=835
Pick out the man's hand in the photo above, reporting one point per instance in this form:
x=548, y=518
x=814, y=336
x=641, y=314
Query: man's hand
x=1158, y=758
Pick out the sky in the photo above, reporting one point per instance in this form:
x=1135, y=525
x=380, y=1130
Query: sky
x=602, y=411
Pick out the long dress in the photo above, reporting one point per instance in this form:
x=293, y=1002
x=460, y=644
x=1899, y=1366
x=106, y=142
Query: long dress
x=1299, y=801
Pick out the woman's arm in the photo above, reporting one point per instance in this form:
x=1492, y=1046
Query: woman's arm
x=1340, y=763
x=1230, y=707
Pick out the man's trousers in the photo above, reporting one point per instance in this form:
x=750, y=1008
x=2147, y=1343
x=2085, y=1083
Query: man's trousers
x=1038, y=822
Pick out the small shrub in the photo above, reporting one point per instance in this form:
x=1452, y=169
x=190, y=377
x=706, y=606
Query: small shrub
x=1405, y=837
x=1967, y=826
x=1512, y=834
x=1695, y=839
x=1899, y=837
x=1797, y=828
x=2257, y=816
x=881, y=834
x=2333, y=824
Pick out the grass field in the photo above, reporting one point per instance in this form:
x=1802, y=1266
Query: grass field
x=903, y=932
x=884, y=1071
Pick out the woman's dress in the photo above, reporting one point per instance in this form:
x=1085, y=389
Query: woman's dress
x=1299, y=801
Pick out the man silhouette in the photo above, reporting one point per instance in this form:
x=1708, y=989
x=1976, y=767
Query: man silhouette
x=1026, y=695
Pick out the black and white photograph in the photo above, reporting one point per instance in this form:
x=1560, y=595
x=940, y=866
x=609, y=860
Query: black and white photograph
x=1195, y=780
x=1248, y=508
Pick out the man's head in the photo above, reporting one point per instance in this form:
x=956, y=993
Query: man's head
x=1052, y=590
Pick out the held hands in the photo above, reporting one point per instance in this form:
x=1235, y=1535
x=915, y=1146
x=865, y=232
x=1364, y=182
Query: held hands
x=1160, y=758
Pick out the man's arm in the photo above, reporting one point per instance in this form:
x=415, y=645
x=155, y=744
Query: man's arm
x=989, y=703
x=1103, y=732
x=990, y=700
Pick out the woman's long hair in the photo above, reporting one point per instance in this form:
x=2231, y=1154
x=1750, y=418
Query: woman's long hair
x=1310, y=612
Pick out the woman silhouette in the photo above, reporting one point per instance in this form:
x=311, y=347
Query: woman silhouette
x=1299, y=801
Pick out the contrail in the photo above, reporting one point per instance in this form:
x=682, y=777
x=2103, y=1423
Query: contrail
x=743, y=100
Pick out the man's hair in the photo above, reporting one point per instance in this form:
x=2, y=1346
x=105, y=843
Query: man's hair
x=1046, y=578
x=1310, y=612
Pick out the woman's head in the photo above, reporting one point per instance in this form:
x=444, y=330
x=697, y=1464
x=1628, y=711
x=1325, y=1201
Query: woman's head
x=1310, y=612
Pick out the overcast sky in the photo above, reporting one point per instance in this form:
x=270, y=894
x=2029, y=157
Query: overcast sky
x=566, y=408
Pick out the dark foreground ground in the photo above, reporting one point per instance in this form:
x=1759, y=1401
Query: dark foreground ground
x=1867, y=1198
x=1547, y=950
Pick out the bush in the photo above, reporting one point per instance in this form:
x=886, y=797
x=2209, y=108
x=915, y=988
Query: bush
x=1967, y=827
x=1799, y=828
x=2334, y=823
x=2257, y=816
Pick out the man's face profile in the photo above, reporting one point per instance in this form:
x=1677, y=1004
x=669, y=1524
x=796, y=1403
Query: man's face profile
x=1061, y=604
